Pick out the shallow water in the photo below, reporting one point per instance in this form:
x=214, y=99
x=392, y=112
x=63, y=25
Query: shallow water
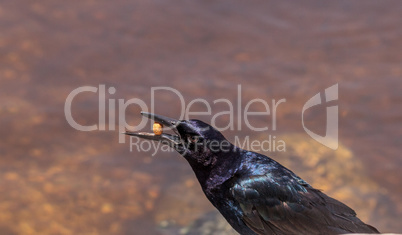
x=57, y=180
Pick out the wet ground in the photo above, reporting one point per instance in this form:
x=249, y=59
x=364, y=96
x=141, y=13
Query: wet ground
x=57, y=180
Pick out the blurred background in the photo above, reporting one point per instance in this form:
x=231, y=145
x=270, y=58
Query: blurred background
x=57, y=180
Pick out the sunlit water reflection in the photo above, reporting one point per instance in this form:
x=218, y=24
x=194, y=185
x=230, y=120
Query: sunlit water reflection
x=56, y=180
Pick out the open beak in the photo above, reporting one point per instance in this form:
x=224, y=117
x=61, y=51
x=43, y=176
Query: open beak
x=171, y=140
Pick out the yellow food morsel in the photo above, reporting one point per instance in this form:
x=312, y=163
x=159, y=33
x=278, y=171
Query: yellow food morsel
x=157, y=128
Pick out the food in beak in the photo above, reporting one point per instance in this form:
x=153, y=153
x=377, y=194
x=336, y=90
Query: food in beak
x=157, y=128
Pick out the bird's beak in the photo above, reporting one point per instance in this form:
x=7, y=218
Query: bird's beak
x=170, y=123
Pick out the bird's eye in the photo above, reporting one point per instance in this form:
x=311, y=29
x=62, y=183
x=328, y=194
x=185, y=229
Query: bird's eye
x=193, y=138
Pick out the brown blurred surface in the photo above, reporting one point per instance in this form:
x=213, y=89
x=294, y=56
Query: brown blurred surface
x=56, y=180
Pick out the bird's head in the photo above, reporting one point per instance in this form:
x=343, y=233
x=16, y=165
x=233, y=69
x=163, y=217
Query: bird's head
x=197, y=141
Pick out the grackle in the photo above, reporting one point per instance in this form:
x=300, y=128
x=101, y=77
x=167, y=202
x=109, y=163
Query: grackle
x=254, y=193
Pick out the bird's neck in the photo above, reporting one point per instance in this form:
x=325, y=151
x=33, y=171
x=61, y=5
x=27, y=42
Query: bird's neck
x=225, y=168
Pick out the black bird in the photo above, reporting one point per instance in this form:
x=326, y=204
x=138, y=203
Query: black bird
x=254, y=193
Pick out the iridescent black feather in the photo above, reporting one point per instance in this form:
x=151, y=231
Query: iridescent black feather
x=254, y=193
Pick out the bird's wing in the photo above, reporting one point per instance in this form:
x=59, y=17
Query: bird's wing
x=291, y=206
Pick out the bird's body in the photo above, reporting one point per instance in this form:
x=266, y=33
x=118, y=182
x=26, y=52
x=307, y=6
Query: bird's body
x=254, y=193
x=263, y=197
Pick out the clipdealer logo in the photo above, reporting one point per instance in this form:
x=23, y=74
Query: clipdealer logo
x=331, y=137
x=242, y=115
